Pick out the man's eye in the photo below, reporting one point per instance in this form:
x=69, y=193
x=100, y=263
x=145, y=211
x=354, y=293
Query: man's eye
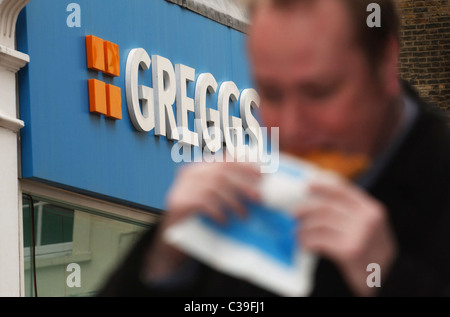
x=317, y=93
x=271, y=95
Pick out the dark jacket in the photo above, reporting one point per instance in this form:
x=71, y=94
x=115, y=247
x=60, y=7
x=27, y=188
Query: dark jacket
x=415, y=188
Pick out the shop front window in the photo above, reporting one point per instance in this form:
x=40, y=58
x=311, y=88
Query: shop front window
x=74, y=250
x=53, y=228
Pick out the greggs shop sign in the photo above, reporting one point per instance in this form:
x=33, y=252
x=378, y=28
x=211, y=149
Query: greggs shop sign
x=104, y=102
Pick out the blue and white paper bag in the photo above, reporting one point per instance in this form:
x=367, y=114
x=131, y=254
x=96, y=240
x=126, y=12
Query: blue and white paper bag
x=263, y=248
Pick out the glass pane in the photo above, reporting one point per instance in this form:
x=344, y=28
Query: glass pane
x=27, y=241
x=57, y=224
x=78, y=250
x=26, y=223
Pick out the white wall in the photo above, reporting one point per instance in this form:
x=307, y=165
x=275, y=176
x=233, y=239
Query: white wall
x=10, y=227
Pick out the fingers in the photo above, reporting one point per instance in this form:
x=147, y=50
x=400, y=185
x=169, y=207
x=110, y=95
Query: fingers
x=342, y=223
x=326, y=219
x=213, y=189
x=235, y=187
x=244, y=185
x=322, y=226
x=233, y=202
x=340, y=191
x=245, y=168
x=315, y=214
x=326, y=233
x=320, y=240
x=213, y=209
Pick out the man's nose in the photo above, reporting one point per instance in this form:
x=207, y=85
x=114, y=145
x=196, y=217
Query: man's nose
x=295, y=124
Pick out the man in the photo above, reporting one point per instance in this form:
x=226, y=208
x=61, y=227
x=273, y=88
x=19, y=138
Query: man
x=330, y=82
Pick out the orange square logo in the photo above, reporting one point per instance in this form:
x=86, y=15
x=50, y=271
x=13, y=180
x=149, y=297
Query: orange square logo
x=114, y=102
x=112, y=61
x=103, y=56
x=97, y=96
x=95, y=53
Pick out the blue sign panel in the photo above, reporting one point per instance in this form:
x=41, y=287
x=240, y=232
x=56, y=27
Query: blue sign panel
x=67, y=145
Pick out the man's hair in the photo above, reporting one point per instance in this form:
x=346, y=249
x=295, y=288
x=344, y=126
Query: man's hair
x=373, y=40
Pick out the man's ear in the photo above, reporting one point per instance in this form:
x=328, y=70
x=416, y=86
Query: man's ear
x=389, y=72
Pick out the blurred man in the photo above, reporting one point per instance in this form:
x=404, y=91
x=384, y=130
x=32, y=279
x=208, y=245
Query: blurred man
x=329, y=82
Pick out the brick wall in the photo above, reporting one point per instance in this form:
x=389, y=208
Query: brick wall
x=425, y=54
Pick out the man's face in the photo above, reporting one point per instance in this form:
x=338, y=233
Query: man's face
x=314, y=80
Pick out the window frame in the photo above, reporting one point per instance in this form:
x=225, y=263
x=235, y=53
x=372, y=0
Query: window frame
x=53, y=249
x=82, y=204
